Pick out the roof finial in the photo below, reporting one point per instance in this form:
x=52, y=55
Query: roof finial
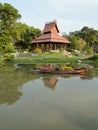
x=54, y=21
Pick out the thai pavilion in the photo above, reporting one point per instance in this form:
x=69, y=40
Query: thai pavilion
x=50, y=39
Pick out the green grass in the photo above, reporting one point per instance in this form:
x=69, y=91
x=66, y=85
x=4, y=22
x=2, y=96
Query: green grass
x=46, y=58
x=49, y=58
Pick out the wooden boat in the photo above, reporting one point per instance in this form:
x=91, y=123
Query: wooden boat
x=80, y=72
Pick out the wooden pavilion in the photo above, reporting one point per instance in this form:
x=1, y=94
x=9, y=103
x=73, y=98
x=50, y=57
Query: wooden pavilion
x=50, y=39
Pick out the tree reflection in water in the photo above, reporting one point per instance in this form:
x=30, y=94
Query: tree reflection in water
x=12, y=81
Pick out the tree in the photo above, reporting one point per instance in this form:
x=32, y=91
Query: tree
x=73, y=44
x=26, y=34
x=81, y=44
x=89, y=35
x=13, y=32
x=8, y=19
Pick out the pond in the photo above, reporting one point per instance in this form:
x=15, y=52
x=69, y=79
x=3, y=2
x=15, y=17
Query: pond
x=33, y=101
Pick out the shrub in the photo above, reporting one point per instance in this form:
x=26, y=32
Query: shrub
x=8, y=57
x=88, y=50
x=61, y=49
x=0, y=48
x=72, y=50
x=96, y=56
x=9, y=49
x=37, y=50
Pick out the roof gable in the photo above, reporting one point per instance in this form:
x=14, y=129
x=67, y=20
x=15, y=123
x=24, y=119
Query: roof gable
x=51, y=27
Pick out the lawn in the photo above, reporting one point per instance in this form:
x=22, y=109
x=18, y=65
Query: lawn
x=48, y=58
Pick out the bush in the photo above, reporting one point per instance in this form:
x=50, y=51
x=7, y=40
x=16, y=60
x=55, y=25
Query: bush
x=0, y=48
x=37, y=50
x=8, y=57
x=72, y=50
x=9, y=49
x=88, y=51
x=61, y=49
x=95, y=56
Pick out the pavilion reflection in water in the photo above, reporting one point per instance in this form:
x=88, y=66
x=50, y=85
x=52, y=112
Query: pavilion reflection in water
x=50, y=81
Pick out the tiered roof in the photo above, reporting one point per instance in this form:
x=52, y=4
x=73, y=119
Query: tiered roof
x=50, y=34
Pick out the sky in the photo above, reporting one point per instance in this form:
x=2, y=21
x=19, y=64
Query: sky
x=71, y=15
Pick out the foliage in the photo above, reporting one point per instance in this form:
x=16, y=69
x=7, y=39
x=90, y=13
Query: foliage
x=8, y=18
x=13, y=32
x=81, y=44
x=37, y=50
x=96, y=56
x=8, y=57
x=89, y=35
x=73, y=44
x=61, y=49
x=25, y=35
x=5, y=40
x=9, y=48
x=88, y=50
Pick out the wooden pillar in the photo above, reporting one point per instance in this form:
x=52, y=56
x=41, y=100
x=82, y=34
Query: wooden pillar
x=61, y=46
x=55, y=46
x=37, y=45
x=50, y=48
x=65, y=46
x=45, y=46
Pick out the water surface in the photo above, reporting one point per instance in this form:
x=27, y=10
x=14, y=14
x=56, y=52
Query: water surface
x=30, y=101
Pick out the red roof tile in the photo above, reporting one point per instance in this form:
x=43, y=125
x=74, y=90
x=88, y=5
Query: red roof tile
x=50, y=26
x=50, y=34
x=50, y=37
